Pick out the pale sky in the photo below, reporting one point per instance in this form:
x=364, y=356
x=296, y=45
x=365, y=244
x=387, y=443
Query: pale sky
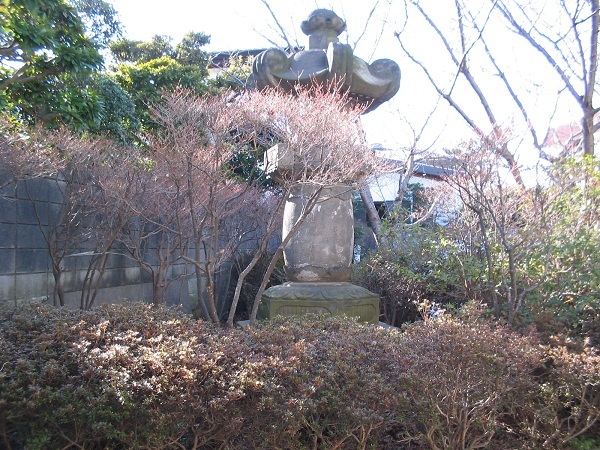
x=232, y=24
x=237, y=24
x=219, y=19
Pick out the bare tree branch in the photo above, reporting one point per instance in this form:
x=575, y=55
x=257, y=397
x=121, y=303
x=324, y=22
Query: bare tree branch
x=462, y=68
x=282, y=31
x=366, y=25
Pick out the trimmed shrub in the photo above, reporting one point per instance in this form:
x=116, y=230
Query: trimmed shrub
x=121, y=376
x=465, y=380
x=332, y=383
x=140, y=377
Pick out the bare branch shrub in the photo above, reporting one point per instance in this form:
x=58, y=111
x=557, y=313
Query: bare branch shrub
x=190, y=162
x=24, y=154
x=509, y=219
x=322, y=131
x=96, y=184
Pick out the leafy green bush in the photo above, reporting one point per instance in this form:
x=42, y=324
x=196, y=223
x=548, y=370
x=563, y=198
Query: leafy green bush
x=420, y=264
x=141, y=377
x=569, y=296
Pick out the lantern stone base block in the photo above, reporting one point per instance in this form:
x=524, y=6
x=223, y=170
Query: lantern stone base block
x=335, y=299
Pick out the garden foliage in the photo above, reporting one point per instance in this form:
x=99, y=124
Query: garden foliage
x=529, y=255
x=142, y=377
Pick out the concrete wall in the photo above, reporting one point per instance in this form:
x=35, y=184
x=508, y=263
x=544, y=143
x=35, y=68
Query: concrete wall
x=28, y=211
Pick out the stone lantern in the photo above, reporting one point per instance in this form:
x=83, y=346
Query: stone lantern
x=318, y=258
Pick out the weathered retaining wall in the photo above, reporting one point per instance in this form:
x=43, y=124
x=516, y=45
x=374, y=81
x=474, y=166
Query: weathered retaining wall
x=28, y=211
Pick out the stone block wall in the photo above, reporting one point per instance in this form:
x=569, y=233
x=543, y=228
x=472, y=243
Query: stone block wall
x=28, y=211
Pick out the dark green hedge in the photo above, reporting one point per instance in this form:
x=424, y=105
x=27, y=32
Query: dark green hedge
x=127, y=377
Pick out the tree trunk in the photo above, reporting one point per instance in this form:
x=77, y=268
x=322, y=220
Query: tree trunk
x=490, y=263
x=242, y=276
x=512, y=272
x=587, y=136
x=58, y=287
x=372, y=214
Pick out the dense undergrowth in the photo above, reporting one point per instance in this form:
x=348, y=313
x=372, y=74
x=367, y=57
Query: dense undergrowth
x=123, y=377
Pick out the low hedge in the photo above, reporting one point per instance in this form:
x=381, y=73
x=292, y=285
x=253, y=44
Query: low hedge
x=133, y=377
